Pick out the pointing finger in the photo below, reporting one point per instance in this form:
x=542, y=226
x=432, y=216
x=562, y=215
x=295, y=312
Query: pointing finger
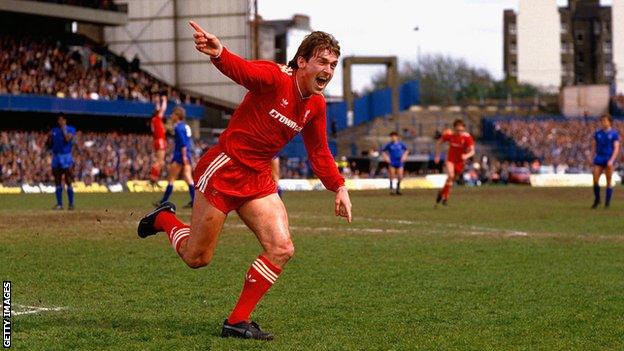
x=197, y=28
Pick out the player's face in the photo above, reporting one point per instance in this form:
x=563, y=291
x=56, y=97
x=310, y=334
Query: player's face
x=61, y=121
x=394, y=138
x=604, y=122
x=459, y=129
x=317, y=72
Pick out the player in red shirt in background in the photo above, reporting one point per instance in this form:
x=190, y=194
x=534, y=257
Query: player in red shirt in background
x=235, y=175
x=461, y=148
x=160, y=139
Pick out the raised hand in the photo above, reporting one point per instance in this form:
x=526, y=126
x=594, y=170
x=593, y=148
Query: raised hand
x=205, y=42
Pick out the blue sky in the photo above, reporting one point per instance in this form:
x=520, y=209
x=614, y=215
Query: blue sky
x=470, y=29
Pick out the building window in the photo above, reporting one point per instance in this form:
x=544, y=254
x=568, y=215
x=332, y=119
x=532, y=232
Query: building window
x=580, y=37
x=565, y=47
x=564, y=27
x=606, y=47
x=596, y=28
x=512, y=29
x=513, y=49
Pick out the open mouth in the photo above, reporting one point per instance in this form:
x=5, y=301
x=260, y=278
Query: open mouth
x=321, y=81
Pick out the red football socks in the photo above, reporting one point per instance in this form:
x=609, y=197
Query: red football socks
x=176, y=231
x=260, y=277
x=446, y=191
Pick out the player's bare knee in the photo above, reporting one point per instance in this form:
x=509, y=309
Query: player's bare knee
x=199, y=261
x=283, y=252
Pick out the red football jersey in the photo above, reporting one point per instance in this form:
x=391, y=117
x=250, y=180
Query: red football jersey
x=458, y=145
x=271, y=114
x=158, y=127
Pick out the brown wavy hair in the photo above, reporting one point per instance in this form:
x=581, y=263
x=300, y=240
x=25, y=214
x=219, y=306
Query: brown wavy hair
x=313, y=43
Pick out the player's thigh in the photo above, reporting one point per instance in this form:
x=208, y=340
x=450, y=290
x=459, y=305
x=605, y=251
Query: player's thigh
x=450, y=170
x=187, y=171
x=400, y=172
x=173, y=171
x=68, y=174
x=58, y=175
x=608, y=171
x=597, y=172
x=160, y=156
x=392, y=171
x=268, y=219
x=206, y=224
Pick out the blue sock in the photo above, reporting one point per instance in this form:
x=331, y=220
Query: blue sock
x=59, y=195
x=70, y=195
x=609, y=194
x=192, y=192
x=596, y=193
x=280, y=191
x=168, y=192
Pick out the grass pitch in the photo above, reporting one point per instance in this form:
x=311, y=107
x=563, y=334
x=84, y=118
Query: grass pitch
x=500, y=269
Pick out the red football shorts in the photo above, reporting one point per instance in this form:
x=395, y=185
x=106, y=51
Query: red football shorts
x=458, y=167
x=227, y=184
x=160, y=144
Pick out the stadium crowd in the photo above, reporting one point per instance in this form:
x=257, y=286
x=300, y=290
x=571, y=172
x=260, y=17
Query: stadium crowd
x=98, y=157
x=49, y=67
x=565, y=144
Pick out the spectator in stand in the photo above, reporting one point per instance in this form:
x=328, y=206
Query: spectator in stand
x=98, y=157
x=556, y=142
x=51, y=67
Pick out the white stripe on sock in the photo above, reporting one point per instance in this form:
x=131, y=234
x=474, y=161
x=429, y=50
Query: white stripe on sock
x=177, y=234
x=263, y=265
x=263, y=273
x=179, y=239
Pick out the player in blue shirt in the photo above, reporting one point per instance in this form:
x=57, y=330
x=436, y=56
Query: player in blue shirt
x=60, y=141
x=395, y=153
x=182, y=160
x=607, y=147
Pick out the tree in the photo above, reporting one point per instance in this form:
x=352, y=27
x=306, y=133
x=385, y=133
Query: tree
x=447, y=80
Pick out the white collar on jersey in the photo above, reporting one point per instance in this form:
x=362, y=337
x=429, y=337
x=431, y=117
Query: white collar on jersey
x=299, y=89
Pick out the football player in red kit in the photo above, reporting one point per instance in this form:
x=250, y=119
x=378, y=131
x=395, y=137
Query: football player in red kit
x=160, y=139
x=461, y=148
x=235, y=175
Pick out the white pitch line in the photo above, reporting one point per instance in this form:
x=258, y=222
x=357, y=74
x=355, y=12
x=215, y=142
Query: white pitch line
x=34, y=310
x=327, y=229
x=474, y=229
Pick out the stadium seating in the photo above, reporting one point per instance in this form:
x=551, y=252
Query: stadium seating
x=417, y=128
x=75, y=68
x=99, y=157
x=554, y=140
x=95, y=4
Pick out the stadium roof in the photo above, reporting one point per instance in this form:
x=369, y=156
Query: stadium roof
x=70, y=12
